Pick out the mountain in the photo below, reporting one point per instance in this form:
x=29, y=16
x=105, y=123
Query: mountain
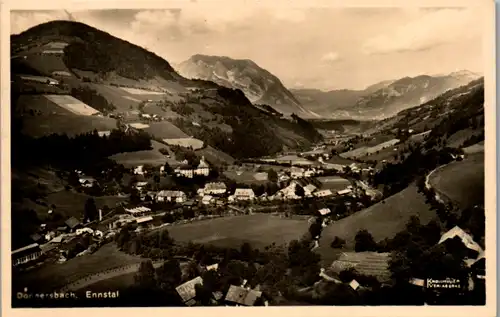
x=384, y=99
x=122, y=80
x=258, y=84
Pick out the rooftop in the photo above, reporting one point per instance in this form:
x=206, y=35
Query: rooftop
x=242, y=296
x=366, y=263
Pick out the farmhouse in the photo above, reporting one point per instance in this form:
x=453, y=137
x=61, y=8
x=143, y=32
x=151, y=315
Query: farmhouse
x=104, y=133
x=366, y=263
x=188, y=171
x=26, y=254
x=171, y=195
x=73, y=224
x=243, y=194
x=187, y=291
x=144, y=220
x=464, y=237
x=238, y=295
x=309, y=190
x=214, y=188
x=289, y=191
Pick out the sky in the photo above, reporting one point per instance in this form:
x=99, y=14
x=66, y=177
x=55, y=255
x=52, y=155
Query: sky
x=322, y=48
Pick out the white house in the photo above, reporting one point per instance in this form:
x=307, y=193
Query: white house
x=296, y=172
x=343, y=192
x=289, y=191
x=138, y=210
x=244, y=194
x=207, y=200
x=87, y=181
x=309, y=190
x=323, y=193
x=214, y=188
x=140, y=185
x=171, y=195
x=324, y=211
x=203, y=168
x=84, y=230
x=139, y=170
x=466, y=239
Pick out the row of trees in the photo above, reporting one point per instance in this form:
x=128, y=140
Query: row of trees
x=92, y=98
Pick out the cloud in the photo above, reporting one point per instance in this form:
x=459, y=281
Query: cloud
x=426, y=29
x=22, y=20
x=330, y=57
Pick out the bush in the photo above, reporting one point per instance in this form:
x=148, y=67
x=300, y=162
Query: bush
x=364, y=242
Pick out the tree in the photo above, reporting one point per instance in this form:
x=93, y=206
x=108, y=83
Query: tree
x=299, y=191
x=135, y=197
x=272, y=175
x=246, y=252
x=145, y=276
x=90, y=210
x=169, y=275
x=364, y=242
x=167, y=169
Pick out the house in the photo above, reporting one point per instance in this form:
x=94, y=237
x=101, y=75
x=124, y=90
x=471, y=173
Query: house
x=296, y=172
x=323, y=193
x=81, y=231
x=203, y=168
x=366, y=263
x=213, y=267
x=139, y=170
x=171, y=195
x=187, y=291
x=207, y=200
x=73, y=224
x=309, y=190
x=140, y=185
x=244, y=194
x=144, y=220
x=237, y=295
x=214, y=188
x=324, y=211
x=138, y=210
x=344, y=192
x=310, y=173
x=104, y=133
x=465, y=238
x=87, y=181
x=185, y=170
x=26, y=254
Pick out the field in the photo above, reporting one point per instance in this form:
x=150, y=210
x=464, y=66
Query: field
x=458, y=138
x=382, y=220
x=165, y=130
x=70, y=203
x=185, y=142
x=245, y=177
x=120, y=99
x=139, y=125
x=259, y=230
x=215, y=156
x=153, y=157
x=136, y=91
x=53, y=275
x=72, y=104
x=476, y=148
x=462, y=182
x=366, y=150
x=333, y=183
x=52, y=118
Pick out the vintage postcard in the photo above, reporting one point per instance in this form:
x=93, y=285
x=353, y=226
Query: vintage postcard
x=338, y=156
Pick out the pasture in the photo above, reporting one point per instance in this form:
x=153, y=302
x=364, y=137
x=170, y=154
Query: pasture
x=259, y=230
x=72, y=104
x=185, y=142
x=165, y=130
x=51, y=276
x=383, y=220
x=152, y=157
x=475, y=148
x=138, y=91
x=43, y=117
x=139, y=125
x=366, y=150
x=462, y=181
x=215, y=156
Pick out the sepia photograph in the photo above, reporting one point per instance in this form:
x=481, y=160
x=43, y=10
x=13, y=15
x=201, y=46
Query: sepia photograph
x=246, y=156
